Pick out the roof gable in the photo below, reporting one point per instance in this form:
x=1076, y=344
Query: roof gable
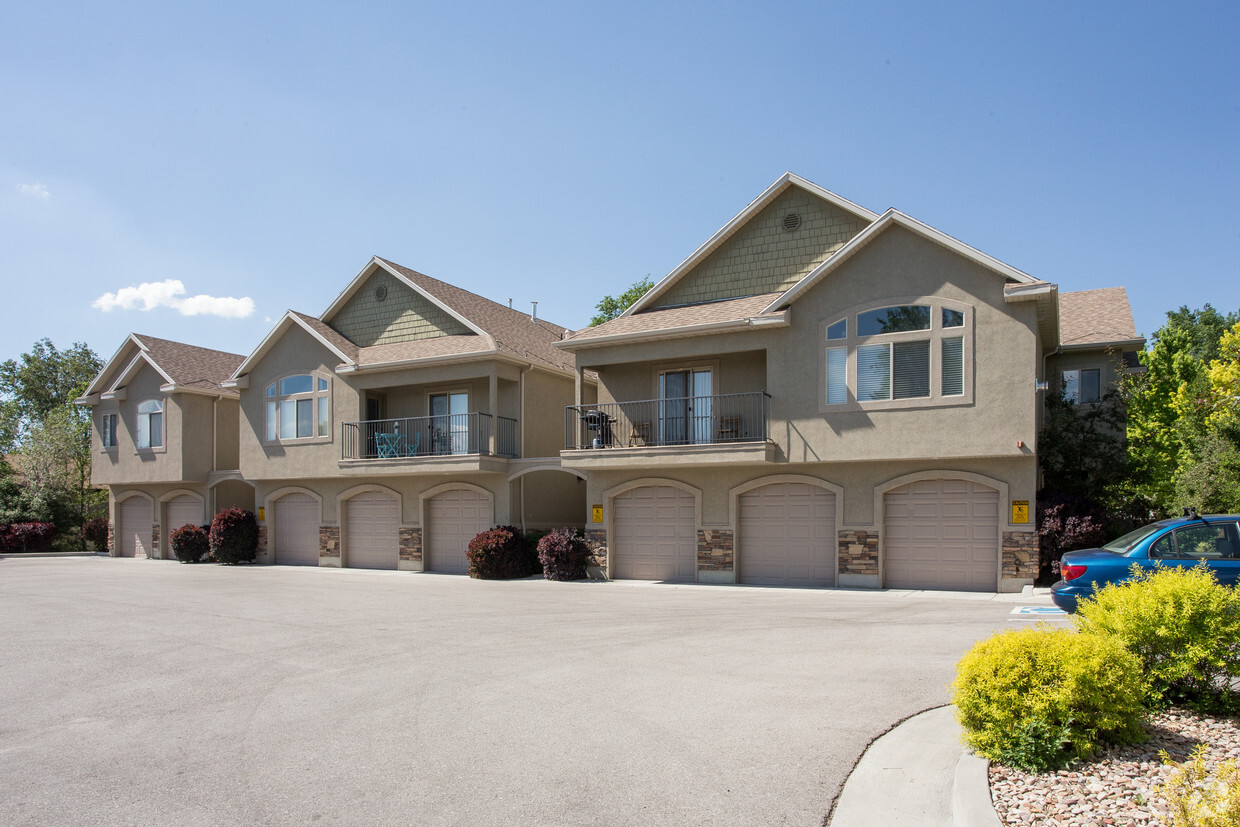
x=756, y=253
x=331, y=339
x=384, y=308
x=182, y=367
x=896, y=218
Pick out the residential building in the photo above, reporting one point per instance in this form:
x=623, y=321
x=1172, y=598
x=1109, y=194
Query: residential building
x=165, y=441
x=824, y=396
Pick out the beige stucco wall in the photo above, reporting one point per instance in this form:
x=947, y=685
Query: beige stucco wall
x=896, y=268
x=227, y=428
x=126, y=463
x=1107, y=363
x=549, y=499
x=546, y=395
x=295, y=352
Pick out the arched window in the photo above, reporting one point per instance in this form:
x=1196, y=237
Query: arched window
x=898, y=355
x=298, y=407
x=150, y=424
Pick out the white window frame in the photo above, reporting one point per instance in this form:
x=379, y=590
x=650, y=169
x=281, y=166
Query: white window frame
x=843, y=351
x=108, y=424
x=143, y=439
x=278, y=406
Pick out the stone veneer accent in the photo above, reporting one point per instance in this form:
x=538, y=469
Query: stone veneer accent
x=155, y=542
x=262, y=538
x=858, y=551
x=715, y=548
x=111, y=538
x=596, y=539
x=1021, y=554
x=329, y=542
x=411, y=543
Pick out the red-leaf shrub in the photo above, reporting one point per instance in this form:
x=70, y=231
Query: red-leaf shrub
x=190, y=543
x=1067, y=522
x=26, y=537
x=563, y=555
x=501, y=553
x=234, y=536
x=96, y=532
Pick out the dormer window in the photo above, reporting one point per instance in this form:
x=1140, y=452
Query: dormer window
x=150, y=424
x=298, y=407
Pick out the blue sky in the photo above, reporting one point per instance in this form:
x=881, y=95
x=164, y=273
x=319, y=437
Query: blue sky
x=260, y=153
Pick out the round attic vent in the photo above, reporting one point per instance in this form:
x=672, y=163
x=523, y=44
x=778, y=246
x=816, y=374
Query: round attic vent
x=791, y=222
x=381, y=292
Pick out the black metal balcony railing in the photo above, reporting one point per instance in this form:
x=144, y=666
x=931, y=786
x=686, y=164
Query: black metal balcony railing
x=690, y=420
x=428, y=436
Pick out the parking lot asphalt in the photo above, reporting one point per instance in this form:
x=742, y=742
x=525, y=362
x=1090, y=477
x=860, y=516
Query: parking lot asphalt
x=149, y=692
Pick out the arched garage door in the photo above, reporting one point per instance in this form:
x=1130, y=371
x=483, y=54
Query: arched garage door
x=787, y=536
x=372, y=531
x=942, y=534
x=455, y=518
x=655, y=534
x=295, y=524
x=179, y=511
x=134, y=528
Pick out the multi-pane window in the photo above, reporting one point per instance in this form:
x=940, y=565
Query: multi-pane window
x=1082, y=385
x=107, y=430
x=150, y=424
x=899, y=352
x=298, y=407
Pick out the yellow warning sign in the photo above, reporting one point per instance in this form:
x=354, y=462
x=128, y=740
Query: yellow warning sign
x=262, y=513
x=596, y=515
x=1020, y=511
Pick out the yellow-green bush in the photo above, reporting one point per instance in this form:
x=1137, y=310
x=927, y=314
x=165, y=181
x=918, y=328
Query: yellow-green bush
x=1180, y=622
x=1198, y=799
x=1037, y=698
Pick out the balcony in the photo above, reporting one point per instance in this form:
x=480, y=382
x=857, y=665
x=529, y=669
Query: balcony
x=687, y=430
x=444, y=439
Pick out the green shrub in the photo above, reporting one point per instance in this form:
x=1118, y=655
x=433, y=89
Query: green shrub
x=1198, y=800
x=563, y=554
x=1181, y=623
x=1037, y=698
x=501, y=553
x=234, y=536
x=190, y=543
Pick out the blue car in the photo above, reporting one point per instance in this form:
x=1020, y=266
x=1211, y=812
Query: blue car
x=1184, y=541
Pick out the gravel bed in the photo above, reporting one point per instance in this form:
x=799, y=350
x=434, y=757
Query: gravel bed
x=1119, y=787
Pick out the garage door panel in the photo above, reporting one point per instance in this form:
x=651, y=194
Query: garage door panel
x=372, y=531
x=656, y=534
x=947, y=539
x=180, y=511
x=135, y=528
x=295, y=521
x=455, y=517
x=787, y=536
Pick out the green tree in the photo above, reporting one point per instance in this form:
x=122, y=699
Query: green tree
x=49, y=437
x=1166, y=416
x=43, y=380
x=612, y=306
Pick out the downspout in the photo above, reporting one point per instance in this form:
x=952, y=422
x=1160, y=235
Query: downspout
x=521, y=444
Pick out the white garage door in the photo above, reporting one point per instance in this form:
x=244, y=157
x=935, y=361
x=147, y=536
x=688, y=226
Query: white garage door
x=455, y=517
x=942, y=534
x=656, y=535
x=372, y=529
x=179, y=511
x=295, y=524
x=134, y=528
x=787, y=536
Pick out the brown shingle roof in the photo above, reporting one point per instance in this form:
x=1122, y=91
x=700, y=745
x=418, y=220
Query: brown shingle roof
x=514, y=332
x=190, y=366
x=330, y=334
x=669, y=318
x=1095, y=317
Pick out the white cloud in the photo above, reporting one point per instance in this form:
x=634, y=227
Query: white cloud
x=35, y=190
x=171, y=293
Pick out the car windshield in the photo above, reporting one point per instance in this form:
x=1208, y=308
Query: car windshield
x=1124, y=544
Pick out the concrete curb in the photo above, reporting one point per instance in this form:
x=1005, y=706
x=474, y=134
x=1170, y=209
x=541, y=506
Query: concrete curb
x=19, y=555
x=918, y=774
